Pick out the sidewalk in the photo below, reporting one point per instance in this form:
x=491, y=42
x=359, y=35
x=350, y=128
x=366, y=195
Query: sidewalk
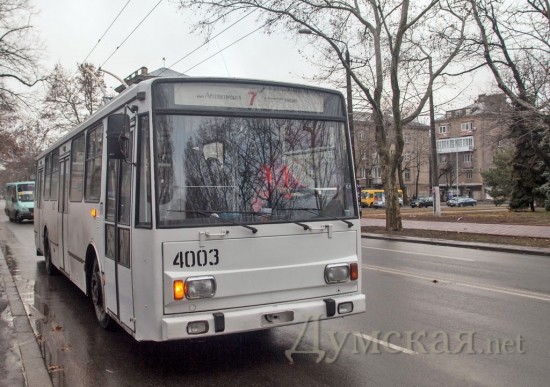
x=474, y=228
x=31, y=369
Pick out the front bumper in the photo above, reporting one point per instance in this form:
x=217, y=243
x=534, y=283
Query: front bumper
x=261, y=317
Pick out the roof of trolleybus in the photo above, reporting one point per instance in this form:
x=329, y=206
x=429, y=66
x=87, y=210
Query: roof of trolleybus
x=131, y=93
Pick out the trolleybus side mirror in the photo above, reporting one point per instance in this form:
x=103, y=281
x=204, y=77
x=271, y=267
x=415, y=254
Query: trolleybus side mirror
x=117, y=125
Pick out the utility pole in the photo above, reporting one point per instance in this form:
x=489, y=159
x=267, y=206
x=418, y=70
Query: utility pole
x=350, y=105
x=434, y=178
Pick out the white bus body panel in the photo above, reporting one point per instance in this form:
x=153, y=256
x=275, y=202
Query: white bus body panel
x=278, y=269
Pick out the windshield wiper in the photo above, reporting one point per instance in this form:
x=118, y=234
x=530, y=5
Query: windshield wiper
x=217, y=217
x=314, y=211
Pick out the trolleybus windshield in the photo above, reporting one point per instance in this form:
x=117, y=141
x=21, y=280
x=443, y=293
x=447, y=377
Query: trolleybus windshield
x=252, y=168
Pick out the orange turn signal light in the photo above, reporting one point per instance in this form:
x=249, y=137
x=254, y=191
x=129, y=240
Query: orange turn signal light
x=353, y=272
x=93, y=212
x=179, y=290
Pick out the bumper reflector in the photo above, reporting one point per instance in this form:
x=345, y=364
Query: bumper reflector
x=197, y=327
x=345, y=307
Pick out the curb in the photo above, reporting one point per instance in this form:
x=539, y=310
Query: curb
x=470, y=245
x=34, y=369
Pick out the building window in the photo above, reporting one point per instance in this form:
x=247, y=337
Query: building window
x=469, y=174
x=466, y=126
x=361, y=136
x=407, y=157
x=363, y=153
x=443, y=129
x=407, y=138
x=442, y=159
x=407, y=173
x=468, y=157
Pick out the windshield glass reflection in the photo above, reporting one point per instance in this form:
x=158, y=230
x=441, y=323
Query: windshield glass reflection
x=250, y=170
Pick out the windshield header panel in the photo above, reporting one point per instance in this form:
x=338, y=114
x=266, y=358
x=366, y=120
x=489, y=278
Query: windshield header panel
x=247, y=97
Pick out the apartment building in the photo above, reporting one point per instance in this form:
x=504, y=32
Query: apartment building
x=416, y=155
x=467, y=139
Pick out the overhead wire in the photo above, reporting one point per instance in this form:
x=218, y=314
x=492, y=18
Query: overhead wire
x=131, y=33
x=210, y=39
x=107, y=30
x=229, y=45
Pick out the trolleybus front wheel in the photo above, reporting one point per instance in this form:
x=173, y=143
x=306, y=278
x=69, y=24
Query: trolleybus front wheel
x=103, y=318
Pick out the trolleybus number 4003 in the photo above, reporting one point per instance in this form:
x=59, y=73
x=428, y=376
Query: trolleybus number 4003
x=197, y=258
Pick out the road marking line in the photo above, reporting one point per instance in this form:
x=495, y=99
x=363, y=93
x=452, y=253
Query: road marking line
x=428, y=255
x=497, y=289
x=386, y=344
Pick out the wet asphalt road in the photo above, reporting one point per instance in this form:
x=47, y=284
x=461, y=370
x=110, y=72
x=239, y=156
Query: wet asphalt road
x=450, y=303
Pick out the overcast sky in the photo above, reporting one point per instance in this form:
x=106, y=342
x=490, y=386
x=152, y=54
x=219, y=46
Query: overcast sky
x=69, y=29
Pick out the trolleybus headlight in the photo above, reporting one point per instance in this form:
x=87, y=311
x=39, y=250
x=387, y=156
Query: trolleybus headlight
x=338, y=272
x=200, y=287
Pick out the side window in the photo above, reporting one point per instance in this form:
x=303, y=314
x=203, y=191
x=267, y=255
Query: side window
x=125, y=198
x=94, y=149
x=143, y=209
x=55, y=175
x=77, y=169
x=47, y=175
x=38, y=196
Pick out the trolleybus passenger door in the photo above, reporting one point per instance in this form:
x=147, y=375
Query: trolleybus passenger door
x=62, y=212
x=118, y=236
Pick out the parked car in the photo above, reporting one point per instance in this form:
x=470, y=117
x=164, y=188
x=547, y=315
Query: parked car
x=461, y=202
x=423, y=201
x=381, y=203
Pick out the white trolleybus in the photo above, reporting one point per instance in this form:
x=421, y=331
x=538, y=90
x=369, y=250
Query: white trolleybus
x=197, y=207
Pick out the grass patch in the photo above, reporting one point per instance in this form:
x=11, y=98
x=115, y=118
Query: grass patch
x=478, y=214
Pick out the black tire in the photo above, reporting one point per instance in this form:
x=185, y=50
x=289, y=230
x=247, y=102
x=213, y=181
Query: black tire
x=50, y=268
x=16, y=218
x=96, y=291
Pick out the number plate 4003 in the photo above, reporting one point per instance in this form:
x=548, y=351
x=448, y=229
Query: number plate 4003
x=200, y=258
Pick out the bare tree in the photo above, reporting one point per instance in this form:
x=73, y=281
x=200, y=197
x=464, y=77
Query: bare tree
x=386, y=65
x=25, y=140
x=515, y=42
x=19, y=53
x=71, y=99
